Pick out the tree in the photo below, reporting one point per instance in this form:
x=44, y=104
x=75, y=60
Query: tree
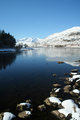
x=6, y=40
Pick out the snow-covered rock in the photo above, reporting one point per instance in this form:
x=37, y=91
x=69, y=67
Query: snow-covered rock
x=24, y=114
x=54, y=100
x=76, y=91
x=57, y=90
x=8, y=116
x=74, y=77
x=23, y=106
x=70, y=108
x=26, y=104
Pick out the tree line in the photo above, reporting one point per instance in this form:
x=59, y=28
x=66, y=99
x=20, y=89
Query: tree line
x=6, y=40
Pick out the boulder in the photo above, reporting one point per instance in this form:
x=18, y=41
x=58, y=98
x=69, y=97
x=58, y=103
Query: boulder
x=67, y=88
x=28, y=101
x=74, y=94
x=7, y=116
x=74, y=70
x=1, y=116
x=66, y=74
x=23, y=106
x=58, y=115
x=60, y=62
x=42, y=107
x=53, y=101
x=54, y=75
x=54, y=105
x=67, y=78
x=56, y=85
x=68, y=82
x=24, y=114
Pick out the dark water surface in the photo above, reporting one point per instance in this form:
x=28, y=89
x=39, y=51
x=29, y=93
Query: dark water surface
x=28, y=75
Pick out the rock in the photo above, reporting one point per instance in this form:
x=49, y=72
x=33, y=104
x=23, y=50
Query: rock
x=68, y=82
x=54, y=105
x=66, y=74
x=67, y=88
x=67, y=78
x=74, y=70
x=53, y=101
x=23, y=106
x=60, y=62
x=58, y=115
x=47, y=102
x=28, y=101
x=24, y=114
x=42, y=107
x=1, y=116
x=56, y=85
x=74, y=94
x=77, y=85
x=7, y=116
x=52, y=94
x=69, y=117
x=54, y=75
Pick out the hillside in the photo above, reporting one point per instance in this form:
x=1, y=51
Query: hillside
x=67, y=38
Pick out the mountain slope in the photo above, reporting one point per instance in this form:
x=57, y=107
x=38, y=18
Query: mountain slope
x=67, y=38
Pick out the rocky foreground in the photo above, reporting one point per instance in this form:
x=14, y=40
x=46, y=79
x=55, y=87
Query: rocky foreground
x=63, y=102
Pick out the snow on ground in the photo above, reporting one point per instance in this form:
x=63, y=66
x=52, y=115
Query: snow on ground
x=70, y=108
x=75, y=115
x=73, y=73
x=28, y=112
x=78, y=80
x=57, y=89
x=76, y=91
x=8, y=116
x=54, y=100
x=74, y=77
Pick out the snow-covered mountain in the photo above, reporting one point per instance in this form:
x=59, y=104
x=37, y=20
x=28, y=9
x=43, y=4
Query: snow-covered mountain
x=27, y=41
x=67, y=38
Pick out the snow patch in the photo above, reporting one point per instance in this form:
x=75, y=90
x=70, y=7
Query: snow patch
x=28, y=112
x=70, y=108
x=27, y=104
x=76, y=91
x=57, y=89
x=54, y=100
x=8, y=116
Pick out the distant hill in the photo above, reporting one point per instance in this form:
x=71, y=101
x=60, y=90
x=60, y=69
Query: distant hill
x=67, y=38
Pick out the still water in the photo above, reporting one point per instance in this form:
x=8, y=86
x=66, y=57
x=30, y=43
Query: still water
x=28, y=75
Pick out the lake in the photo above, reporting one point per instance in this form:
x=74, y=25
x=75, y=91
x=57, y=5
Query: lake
x=28, y=75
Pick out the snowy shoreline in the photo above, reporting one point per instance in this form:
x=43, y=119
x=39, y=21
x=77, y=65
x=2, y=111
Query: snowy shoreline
x=62, y=103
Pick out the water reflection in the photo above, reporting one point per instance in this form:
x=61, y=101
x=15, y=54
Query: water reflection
x=6, y=59
x=68, y=55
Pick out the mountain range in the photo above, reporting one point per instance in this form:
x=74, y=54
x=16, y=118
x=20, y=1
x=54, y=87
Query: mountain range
x=66, y=38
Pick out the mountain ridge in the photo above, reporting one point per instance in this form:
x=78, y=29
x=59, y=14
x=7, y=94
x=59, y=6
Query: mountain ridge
x=66, y=38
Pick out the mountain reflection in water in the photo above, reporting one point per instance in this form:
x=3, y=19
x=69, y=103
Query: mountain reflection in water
x=68, y=55
x=28, y=75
